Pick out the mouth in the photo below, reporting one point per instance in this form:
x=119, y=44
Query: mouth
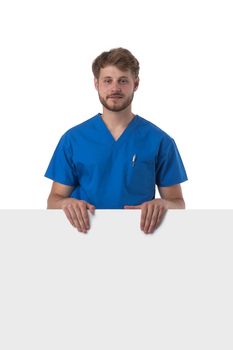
x=115, y=96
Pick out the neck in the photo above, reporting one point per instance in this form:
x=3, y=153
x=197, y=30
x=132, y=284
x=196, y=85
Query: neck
x=117, y=119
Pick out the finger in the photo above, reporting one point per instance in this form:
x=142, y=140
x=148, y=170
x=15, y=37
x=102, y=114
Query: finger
x=160, y=217
x=84, y=216
x=68, y=215
x=149, y=215
x=91, y=208
x=157, y=219
x=77, y=218
x=154, y=220
x=143, y=216
x=74, y=217
x=80, y=217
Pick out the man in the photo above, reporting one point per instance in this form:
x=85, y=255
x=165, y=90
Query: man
x=114, y=160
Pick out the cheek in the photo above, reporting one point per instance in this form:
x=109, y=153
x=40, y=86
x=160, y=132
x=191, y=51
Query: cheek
x=103, y=89
x=129, y=91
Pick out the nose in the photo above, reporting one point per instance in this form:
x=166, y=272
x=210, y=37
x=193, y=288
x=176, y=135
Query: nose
x=115, y=86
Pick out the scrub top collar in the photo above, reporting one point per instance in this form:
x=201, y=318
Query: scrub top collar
x=107, y=133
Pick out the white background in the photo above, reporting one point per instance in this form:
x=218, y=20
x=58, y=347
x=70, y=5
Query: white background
x=46, y=85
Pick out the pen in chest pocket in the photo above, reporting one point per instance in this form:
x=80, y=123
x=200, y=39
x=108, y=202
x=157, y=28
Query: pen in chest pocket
x=133, y=160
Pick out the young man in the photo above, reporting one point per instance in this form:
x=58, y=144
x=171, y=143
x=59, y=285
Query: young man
x=114, y=160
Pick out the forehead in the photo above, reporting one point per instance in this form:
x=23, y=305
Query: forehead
x=114, y=72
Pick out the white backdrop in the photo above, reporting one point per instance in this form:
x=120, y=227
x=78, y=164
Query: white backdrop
x=46, y=85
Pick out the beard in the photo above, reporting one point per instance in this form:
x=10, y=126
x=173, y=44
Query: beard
x=118, y=105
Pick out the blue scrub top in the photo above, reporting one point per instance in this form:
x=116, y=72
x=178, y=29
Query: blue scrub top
x=110, y=174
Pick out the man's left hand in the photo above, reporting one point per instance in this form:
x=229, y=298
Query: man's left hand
x=152, y=213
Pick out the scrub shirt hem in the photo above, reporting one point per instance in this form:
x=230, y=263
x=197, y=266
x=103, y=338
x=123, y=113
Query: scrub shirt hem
x=172, y=184
x=59, y=181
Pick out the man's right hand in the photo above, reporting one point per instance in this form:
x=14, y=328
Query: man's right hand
x=77, y=213
x=75, y=209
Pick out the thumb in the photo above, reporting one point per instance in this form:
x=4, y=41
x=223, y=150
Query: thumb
x=91, y=208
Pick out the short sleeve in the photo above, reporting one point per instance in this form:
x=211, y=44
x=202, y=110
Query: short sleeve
x=61, y=167
x=169, y=166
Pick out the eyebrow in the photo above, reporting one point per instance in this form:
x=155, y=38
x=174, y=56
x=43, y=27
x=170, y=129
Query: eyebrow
x=109, y=77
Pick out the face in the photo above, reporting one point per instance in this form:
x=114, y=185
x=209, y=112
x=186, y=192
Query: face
x=116, y=88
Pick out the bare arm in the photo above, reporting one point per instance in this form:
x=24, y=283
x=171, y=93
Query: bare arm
x=59, y=193
x=173, y=197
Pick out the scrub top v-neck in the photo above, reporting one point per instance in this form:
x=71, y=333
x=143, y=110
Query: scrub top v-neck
x=124, y=135
x=111, y=173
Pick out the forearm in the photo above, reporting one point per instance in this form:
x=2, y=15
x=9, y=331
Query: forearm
x=56, y=201
x=178, y=203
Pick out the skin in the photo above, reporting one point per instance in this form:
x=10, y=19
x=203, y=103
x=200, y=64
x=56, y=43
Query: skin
x=116, y=91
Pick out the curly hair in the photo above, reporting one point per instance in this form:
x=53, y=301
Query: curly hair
x=119, y=57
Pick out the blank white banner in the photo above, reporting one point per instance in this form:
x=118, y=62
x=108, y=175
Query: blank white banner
x=116, y=288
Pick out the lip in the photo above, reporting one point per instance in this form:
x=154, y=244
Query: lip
x=115, y=97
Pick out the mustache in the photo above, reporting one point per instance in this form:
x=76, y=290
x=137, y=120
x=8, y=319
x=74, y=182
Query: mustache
x=115, y=95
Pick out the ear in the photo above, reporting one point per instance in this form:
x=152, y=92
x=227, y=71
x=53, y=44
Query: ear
x=136, y=83
x=96, y=83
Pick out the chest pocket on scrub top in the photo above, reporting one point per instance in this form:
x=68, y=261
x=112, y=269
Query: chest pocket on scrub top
x=141, y=175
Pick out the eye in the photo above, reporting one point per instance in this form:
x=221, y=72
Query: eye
x=107, y=81
x=123, y=81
